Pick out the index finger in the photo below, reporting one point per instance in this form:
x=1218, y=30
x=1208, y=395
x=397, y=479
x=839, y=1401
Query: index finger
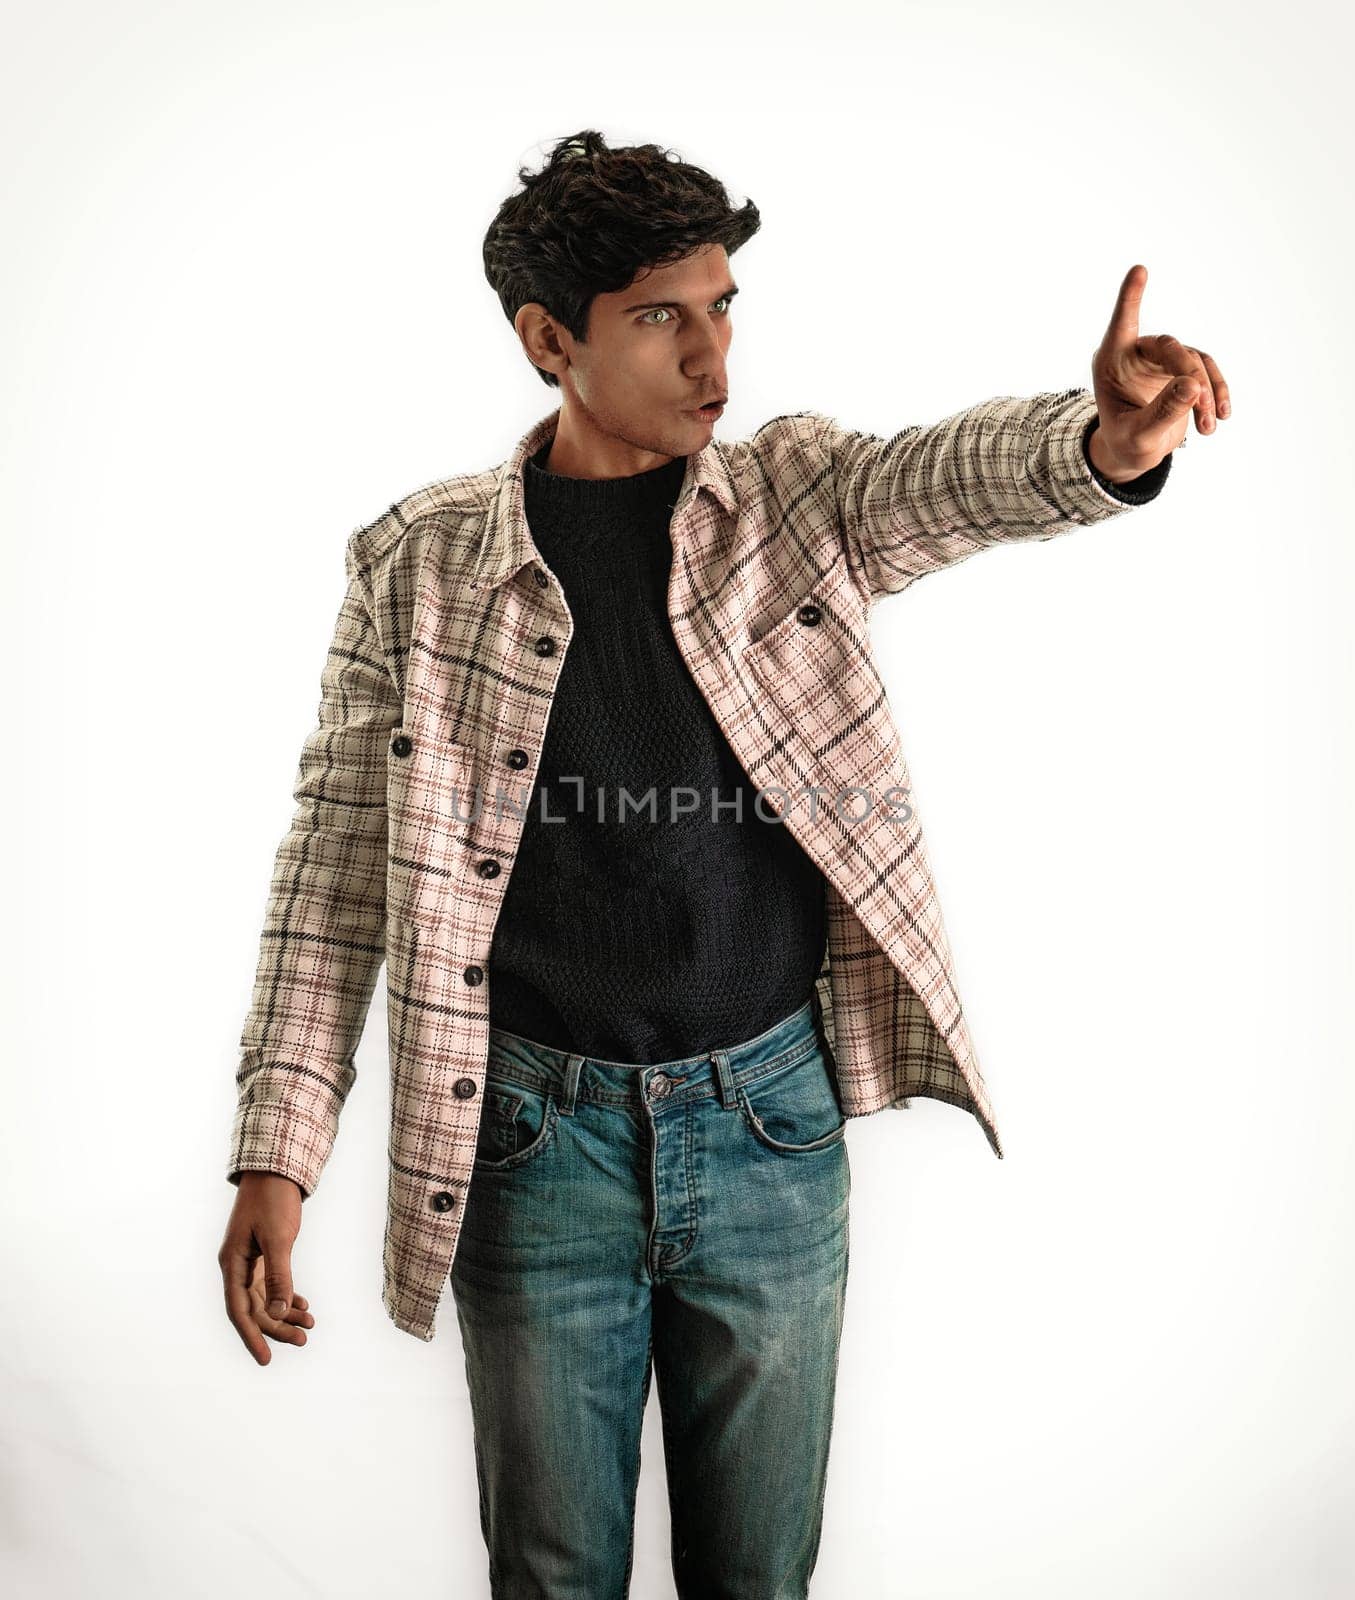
x=235, y=1274
x=1124, y=320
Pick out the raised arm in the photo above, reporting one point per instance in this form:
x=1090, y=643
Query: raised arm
x=1007, y=469
x=1022, y=468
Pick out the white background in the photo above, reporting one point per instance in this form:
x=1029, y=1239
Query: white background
x=244, y=310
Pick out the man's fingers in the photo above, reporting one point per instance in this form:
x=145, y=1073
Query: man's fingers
x=283, y=1314
x=1166, y=412
x=1177, y=398
x=1223, y=399
x=255, y=1276
x=1184, y=362
x=277, y=1281
x=289, y=1328
x=297, y=1315
x=1123, y=328
x=1139, y=433
x=236, y=1270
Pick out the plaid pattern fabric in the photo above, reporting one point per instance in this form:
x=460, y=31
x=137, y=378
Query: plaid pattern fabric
x=412, y=788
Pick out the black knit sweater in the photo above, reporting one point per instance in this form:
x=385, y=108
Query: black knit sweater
x=640, y=935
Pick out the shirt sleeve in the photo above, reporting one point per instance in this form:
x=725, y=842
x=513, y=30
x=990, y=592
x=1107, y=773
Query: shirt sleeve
x=1008, y=469
x=323, y=940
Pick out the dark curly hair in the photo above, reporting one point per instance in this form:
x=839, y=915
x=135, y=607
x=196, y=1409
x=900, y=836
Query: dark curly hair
x=592, y=218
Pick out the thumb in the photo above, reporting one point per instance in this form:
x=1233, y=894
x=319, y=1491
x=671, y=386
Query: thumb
x=277, y=1278
x=1178, y=397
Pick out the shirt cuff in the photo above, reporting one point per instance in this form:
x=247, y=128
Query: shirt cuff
x=1137, y=491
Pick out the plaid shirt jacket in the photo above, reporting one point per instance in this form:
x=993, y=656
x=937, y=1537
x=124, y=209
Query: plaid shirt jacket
x=434, y=701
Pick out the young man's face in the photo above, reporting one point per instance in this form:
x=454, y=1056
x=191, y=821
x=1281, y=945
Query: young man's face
x=655, y=351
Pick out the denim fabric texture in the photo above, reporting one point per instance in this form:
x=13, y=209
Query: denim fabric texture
x=686, y=1220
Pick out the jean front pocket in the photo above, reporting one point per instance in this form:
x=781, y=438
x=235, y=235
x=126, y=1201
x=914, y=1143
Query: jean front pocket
x=517, y=1123
x=794, y=1109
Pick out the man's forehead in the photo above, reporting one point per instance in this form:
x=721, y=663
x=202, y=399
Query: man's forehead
x=675, y=275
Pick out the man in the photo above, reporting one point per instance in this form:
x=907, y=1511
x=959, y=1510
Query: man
x=628, y=1026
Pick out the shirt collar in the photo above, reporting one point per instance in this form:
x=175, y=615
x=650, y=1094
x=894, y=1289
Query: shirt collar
x=506, y=542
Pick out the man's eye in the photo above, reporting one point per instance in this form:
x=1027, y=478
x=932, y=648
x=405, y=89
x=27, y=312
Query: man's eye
x=724, y=300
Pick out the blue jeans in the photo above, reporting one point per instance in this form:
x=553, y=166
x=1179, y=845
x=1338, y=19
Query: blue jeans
x=692, y=1215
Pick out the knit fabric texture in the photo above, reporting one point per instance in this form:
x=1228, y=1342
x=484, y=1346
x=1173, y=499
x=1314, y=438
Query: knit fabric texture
x=641, y=928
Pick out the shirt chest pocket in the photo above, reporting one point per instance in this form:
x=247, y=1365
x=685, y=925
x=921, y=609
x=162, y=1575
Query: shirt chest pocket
x=824, y=699
x=432, y=808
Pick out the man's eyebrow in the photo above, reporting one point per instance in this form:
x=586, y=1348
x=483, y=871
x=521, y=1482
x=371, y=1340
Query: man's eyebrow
x=677, y=305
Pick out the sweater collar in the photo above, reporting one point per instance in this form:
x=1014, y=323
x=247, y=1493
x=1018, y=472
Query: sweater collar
x=505, y=542
x=641, y=495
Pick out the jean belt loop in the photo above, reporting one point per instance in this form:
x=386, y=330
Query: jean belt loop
x=724, y=1076
x=573, y=1066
